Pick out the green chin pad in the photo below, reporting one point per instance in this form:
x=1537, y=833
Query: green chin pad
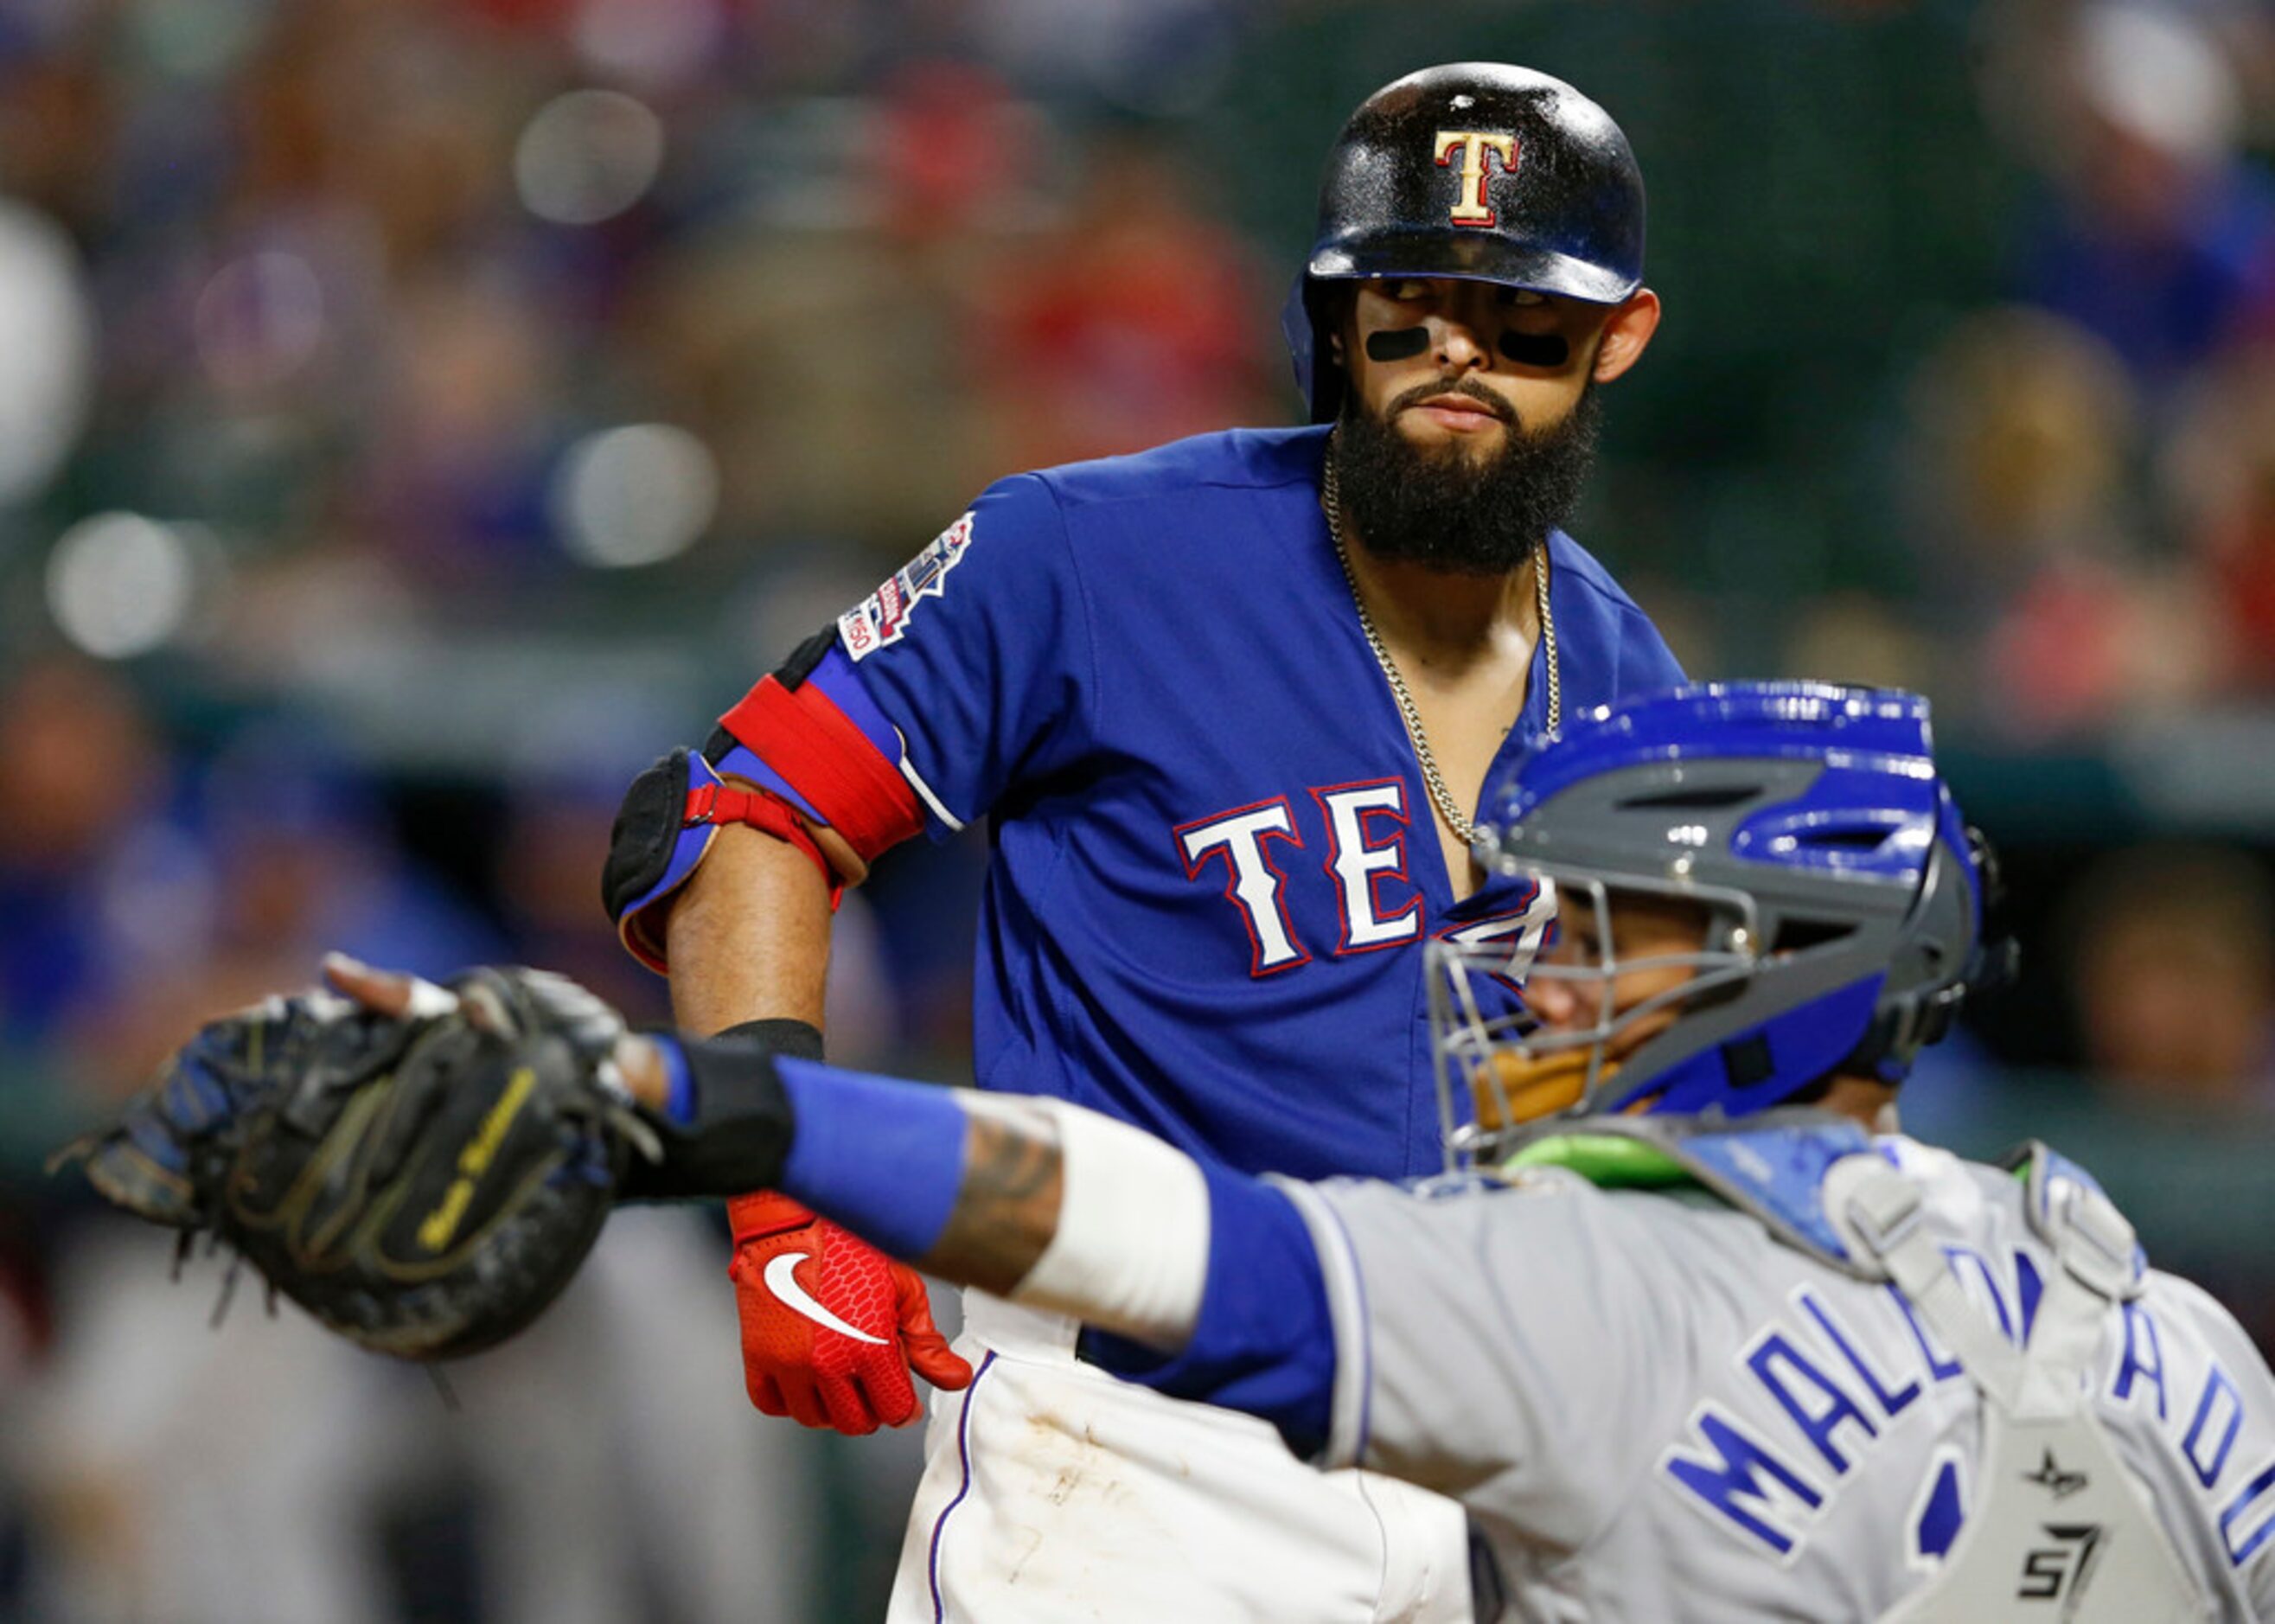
x=1606, y=1160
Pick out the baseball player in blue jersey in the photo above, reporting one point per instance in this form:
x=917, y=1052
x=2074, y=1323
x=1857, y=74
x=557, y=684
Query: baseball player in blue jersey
x=1709, y=1340
x=1225, y=708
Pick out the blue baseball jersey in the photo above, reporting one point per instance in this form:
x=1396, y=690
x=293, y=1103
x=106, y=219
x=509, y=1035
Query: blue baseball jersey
x=1214, y=862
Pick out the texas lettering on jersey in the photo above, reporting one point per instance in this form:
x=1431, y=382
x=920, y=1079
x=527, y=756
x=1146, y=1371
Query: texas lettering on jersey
x=1258, y=851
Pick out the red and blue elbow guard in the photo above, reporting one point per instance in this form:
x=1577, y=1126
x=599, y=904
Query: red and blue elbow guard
x=672, y=814
x=812, y=765
x=840, y=765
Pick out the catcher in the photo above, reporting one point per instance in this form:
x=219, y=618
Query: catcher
x=1703, y=1344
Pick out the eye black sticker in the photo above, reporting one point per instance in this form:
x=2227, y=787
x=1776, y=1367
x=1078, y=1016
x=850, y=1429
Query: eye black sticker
x=1397, y=344
x=1532, y=349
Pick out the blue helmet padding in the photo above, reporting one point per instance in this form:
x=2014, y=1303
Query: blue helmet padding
x=1802, y=1045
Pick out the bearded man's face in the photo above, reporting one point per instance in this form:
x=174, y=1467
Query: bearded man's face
x=1457, y=510
x=1470, y=420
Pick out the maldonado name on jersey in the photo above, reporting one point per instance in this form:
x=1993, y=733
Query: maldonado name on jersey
x=1812, y=1364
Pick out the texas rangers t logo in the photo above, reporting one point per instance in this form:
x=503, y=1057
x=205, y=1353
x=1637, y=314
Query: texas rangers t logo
x=1472, y=208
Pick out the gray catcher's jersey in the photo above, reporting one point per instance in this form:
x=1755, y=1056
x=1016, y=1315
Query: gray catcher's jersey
x=1657, y=1410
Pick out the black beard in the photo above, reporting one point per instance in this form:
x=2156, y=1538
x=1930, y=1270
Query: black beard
x=1441, y=509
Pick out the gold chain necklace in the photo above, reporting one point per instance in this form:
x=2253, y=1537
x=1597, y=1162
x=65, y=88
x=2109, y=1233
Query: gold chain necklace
x=1433, y=779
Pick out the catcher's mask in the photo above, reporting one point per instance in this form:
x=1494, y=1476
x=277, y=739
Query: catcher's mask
x=1473, y=170
x=1838, y=902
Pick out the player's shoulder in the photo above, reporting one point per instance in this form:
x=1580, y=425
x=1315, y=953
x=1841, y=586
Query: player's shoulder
x=1530, y=1200
x=1582, y=569
x=2008, y=1186
x=2176, y=1300
x=1616, y=649
x=1232, y=459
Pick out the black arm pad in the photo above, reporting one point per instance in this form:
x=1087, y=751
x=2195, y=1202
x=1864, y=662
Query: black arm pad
x=646, y=833
x=742, y=1130
x=794, y=1039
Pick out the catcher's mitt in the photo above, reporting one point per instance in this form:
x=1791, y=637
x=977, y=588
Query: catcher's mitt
x=423, y=1183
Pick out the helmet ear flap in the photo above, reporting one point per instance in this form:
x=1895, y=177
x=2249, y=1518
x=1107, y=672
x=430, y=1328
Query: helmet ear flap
x=1318, y=376
x=1990, y=880
x=1910, y=1020
x=1317, y=310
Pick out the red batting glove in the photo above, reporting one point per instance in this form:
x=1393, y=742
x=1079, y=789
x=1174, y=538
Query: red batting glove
x=831, y=1326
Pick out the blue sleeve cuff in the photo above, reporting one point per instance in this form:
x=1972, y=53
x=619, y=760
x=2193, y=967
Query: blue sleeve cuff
x=1264, y=1342
x=679, y=1100
x=882, y=1156
x=836, y=678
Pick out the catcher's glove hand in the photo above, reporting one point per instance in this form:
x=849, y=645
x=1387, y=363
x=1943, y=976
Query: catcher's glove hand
x=424, y=1175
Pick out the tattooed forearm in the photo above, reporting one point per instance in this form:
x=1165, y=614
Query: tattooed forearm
x=1007, y=1207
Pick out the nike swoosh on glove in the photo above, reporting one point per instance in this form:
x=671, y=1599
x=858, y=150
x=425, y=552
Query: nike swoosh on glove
x=831, y=1326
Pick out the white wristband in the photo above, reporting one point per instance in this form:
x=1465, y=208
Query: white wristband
x=1130, y=1251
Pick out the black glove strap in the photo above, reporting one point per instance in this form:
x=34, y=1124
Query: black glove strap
x=742, y=1129
x=794, y=1039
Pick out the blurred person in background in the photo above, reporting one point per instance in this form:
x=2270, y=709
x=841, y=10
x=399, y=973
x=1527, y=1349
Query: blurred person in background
x=2145, y=262
x=80, y=770
x=1115, y=330
x=2172, y=977
x=147, y=1454
x=2160, y=237
x=2219, y=467
x=2023, y=428
x=288, y=845
x=253, y=1472
x=824, y=336
x=172, y=1474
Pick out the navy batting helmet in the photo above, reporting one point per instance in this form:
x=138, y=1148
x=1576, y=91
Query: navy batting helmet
x=1475, y=170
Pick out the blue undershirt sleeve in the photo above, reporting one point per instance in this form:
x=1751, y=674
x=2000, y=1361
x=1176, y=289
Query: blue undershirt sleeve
x=886, y=1159
x=1264, y=1343
x=882, y=1156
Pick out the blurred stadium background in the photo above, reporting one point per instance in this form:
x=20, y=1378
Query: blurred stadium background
x=415, y=413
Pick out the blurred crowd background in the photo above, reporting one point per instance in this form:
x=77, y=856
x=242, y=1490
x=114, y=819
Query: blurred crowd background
x=415, y=414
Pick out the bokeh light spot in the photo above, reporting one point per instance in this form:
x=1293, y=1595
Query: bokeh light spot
x=47, y=351
x=649, y=41
x=587, y=156
x=259, y=319
x=634, y=495
x=121, y=585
